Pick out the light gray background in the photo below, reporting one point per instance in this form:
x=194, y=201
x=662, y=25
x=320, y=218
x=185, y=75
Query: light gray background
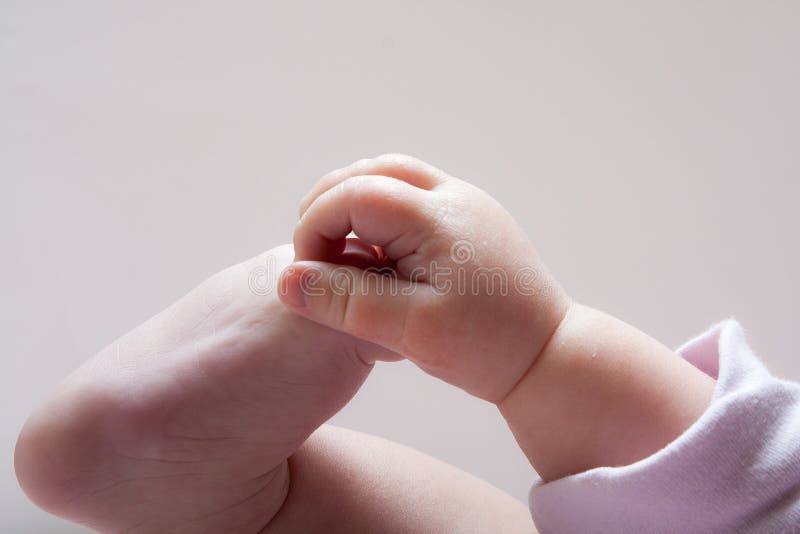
x=650, y=149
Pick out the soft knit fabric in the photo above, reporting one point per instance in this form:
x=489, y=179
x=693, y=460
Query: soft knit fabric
x=737, y=469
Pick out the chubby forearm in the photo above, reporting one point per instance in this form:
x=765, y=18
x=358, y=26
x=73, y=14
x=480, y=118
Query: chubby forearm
x=602, y=393
x=345, y=481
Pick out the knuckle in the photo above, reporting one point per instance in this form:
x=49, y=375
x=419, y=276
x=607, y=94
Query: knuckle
x=399, y=336
x=356, y=189
x=341, y=310
x=330, y=178
x=359, y=164
x=368, y=188
x=397, y=158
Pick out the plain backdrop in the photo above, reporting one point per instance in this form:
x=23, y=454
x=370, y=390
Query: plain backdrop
x=650, y=149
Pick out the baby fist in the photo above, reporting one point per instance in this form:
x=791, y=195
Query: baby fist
x=464, y=294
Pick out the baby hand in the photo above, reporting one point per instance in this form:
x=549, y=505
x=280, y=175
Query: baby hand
x=471, y=302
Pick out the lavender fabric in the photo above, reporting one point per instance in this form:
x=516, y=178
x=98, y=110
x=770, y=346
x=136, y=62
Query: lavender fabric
x=737, y=469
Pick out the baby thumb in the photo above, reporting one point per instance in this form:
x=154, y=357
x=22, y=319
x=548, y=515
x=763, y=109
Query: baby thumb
x=366, y=303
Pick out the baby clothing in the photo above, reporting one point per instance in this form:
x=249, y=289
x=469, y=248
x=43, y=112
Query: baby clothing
x=736, y=469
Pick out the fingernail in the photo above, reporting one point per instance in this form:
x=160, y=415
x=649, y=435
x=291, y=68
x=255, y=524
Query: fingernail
x=292, y=287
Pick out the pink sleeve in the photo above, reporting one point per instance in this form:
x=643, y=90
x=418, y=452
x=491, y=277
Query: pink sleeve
x=736, y=469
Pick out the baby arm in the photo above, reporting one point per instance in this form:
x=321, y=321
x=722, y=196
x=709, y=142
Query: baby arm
x=578, y=388
x=601, y=393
